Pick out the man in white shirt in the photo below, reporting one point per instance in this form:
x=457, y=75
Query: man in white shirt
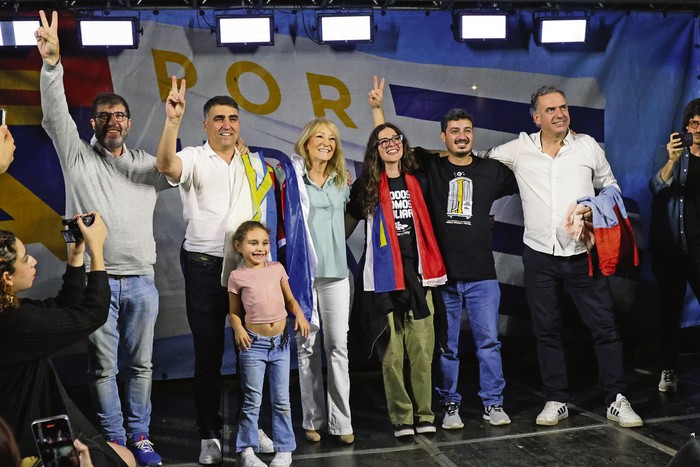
x=220, y=187
x=554, y=168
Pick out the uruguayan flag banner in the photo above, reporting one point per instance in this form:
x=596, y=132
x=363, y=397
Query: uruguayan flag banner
x=626, y=87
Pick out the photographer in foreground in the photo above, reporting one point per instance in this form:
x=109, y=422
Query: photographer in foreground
x=32, y=330
x=675, y=234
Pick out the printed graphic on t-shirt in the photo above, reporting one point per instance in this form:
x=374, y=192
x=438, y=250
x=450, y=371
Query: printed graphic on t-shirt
x=460, y=200
x=403, y=213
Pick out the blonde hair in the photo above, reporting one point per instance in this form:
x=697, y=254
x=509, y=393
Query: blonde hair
x=337, y=163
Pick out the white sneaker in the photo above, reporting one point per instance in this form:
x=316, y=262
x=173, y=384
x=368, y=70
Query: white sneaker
x=621, y=412
x=551, y=414
x=668, y=382
x=210, y=452
x=265, y=445
x=248, y=458
x=282, y=459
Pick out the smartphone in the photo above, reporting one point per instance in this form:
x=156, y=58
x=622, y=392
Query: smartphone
x=686, y=139
x=3, y=116
x=55, y=441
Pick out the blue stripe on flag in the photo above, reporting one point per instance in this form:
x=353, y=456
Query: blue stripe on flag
x=384, y=273
x=490, y=114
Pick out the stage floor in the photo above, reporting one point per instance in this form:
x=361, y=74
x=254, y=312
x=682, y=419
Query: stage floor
x=586, y=438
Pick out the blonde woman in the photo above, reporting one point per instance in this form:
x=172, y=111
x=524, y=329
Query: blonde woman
x=322, y=181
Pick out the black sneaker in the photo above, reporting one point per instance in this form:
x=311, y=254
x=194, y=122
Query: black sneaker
x=403, y=430
x=425, y=427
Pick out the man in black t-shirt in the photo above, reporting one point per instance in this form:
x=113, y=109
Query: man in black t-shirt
x=462, y=189
x=675, y=235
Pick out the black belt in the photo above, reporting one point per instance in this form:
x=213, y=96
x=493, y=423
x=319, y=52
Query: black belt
x=203, y=257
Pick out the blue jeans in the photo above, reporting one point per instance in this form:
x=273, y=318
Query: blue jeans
x=127, y=336
x=481, y=300
x=266, y=355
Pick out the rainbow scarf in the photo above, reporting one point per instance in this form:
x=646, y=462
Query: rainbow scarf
x=383, y=271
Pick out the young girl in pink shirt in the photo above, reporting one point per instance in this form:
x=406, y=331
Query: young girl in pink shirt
x=259, y=298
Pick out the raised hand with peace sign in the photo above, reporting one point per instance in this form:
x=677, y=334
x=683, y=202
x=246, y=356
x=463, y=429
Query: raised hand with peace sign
x=376, y=94
x=175, y=103
x=166, y=159
x=47, y=38
x=375, y=99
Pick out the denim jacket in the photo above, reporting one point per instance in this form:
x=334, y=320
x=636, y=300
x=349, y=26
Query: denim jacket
x=667, y=225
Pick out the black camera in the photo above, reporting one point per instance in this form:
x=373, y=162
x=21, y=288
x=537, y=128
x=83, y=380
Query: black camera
x=686, y=139
x=72, y=234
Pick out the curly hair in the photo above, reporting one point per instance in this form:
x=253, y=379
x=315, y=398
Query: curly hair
x=337, y=163
x=8, y=257
x=246, y=227
x=690, y=111
x=373, y=168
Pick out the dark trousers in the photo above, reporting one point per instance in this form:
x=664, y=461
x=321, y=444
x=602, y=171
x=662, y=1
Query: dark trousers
x=546, y=278
x=673, y=271
x=207, y=309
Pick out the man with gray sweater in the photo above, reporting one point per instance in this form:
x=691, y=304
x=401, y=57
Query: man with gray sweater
x=122, y=184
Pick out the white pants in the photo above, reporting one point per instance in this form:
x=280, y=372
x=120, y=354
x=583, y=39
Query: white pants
x=332, y=303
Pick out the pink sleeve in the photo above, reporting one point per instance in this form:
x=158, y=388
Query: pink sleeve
x=283, y=272
x=232, y=284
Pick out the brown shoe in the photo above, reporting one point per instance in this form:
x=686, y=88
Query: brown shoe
x=346, y=439
x=313, y=436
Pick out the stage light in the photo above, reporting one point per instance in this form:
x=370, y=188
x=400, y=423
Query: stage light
x=109, y=32
x=245, y=30
x=345, y=28
x=18, y=32
x=479, y=27
x=561, y=30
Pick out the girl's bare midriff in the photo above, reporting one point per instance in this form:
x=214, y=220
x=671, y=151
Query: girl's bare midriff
x=268, y=329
